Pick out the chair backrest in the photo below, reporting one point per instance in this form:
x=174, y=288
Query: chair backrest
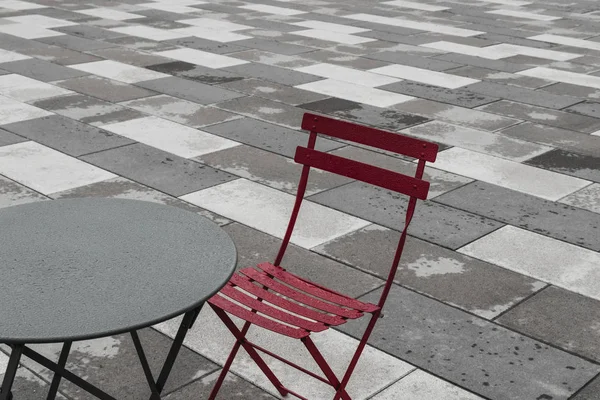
x=413, y=186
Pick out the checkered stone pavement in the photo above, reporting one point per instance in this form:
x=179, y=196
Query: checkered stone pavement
x=197, y=104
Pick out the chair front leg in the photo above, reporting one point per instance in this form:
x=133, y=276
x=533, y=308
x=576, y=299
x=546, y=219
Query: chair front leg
x=325, y=368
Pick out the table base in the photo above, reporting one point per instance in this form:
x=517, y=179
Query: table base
x=156, y=386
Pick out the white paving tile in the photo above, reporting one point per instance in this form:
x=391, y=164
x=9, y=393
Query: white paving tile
x=210, y=338
x=524, y=15
x=216, y=24
x=559, y=263
x=269, y=210
x=499, y=51
x=514, y=3
x=109, y=13
x=148, y=32
x=533, y=52
x=119, y=71
x=346, y=74
x=202, y=58
x=563, y=76
x=415, y=5
x=18, y=5
x=328, y=26
x=25, y=89
x=477, y=140
x=15, y=111
x=27, y=31
x=332, y=36
x=424, y=76
x=169, y=136
x=509, y=174
x=567, y=41
x=174, y=8
x=419, y=385
x=354, y=92
x=46, y=170
x=41, y=21
x=424, y=26
x=587, y=198
x=8, y=56
x=272, y=9
x=211, y=34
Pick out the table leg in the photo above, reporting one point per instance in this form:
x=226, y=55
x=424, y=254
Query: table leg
x=62, y=362
x=144, y=361
x=11, y=372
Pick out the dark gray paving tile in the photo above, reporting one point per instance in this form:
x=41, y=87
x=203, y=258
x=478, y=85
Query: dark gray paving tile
x=188, y=90
x=76, y=43
x=473, y=353
x=572, y=90
x=590, y=392
x=206, y=45
x=557, y=137
x=87, y=109
x=561, y=318
x=496, y=37
x=274, y=74
x=255, y=247
x=59, y=55
x=431, y=64
x=396, y=34
x=273, y=59
x=197, y=73
x=591, y=109
x=274, y=138
x=88, y=32
x=348, y=60
x=481, y=62
x=42, y=70
x=545, y=116
x=14, y=43
x=582, y=166
x=266, y=110
x=158, y=169
x=67, y=135
x=141, y=44
x=274, y=46
x=129, y=56
x=523, y=95
x=160, y=14
x=505, y=78
x=470, y=284
x=158, y=23
x=432, y=222
x=26, y=384
x=54, y=12
x=7, y=138
x=105, y=89
x=458, y=97
x=273, y=91
x=560, y=221
x=13, y=193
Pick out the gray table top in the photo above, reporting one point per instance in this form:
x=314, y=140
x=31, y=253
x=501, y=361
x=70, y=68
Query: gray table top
x=85, y=268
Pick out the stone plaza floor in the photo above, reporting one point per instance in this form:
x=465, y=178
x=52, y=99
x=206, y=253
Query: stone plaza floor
x=197, y=104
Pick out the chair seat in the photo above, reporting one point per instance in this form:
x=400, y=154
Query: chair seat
x=291, y=305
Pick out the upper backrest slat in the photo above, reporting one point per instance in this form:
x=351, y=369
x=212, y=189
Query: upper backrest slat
x=389, y=141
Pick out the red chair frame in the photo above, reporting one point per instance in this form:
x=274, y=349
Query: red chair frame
x=321, y=307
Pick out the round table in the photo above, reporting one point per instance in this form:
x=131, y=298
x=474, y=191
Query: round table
x=81, y=269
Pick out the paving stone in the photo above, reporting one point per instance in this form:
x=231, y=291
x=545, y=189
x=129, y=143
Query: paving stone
x=572, y=90
x=255, y=247
x=42, y=70
x=66, y=135
x=587, y=198
x=498, y=65
x=7, y=138
x=504, y=78
x=449, y=342
x=458, y=97
x=188, y=90
x=87, y=109
x=139, y=43
x=273, y=91
x=464, y=282
x=158, y=169
x=545, y=116
x=433, y=222
x=12, y=194
x=582, y=166
x=274, y=74
x=194, y=72
x=89, y=32
x=274, y=46
x=105, y=89
x=129, y=56
x=266, y=110
x=14, y=111
x=270, y=169
x=431, y=64
x=587, y=108
x=269, y=137
x=559, y=221
x=76, y=43
x=26, y=384
x=523, y=95
x=561, y=318
x=59, y=55
x=181, y=111
x=590, y=392
x=273, y=59
x=197, y=43
x=343, y=59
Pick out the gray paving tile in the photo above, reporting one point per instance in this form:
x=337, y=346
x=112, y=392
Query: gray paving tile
x=590, y=392
x=59, y=55
x=193, y=42
x=129, y=56
x=41, y=70
x=464, y=282
x=413, y=60
x=76, y=43
x=89, y=32
x=572, y=90
x=14, y=43
x=347, y=60
x=105, y=89
x=273, y=91
x=209, y=76
x=141, y=44
x=274, y=138
x=255, y=247
x=67, y=135
x=7, y=138
x=561, y=318
x=158, y=169
x=556, y=220
x=582, y=166
x=473, y=353
x=188, y=90
x=464, y=59
x=13, y=193
x=274, y=46
x=556, y=137
x=458, y=97
x=545, y=116
x=433, y=222
x=505, y=78
x=266, y=110
x=26, y=384
x=87, y=109
x=274, y=74
x=591, y=109
x=274, y=59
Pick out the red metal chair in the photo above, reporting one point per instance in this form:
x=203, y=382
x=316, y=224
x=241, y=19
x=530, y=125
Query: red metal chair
x=259, y=289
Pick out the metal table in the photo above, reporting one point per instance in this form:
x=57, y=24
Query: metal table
x=81, y=269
